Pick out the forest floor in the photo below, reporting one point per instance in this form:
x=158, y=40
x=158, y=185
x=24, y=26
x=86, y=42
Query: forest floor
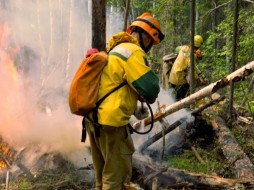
x=67, y=177
x=244, y=134
x=242, y=127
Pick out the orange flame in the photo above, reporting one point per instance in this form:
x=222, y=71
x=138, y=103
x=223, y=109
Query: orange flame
x=6, y=155
x=6, y=51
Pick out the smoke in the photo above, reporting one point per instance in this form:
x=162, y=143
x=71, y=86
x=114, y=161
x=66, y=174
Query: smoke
x=41, y=45
x=164, y=98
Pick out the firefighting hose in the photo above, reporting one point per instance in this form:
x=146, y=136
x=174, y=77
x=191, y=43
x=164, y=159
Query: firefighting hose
x=151, y=123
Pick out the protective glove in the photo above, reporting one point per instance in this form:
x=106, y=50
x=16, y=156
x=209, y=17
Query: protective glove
x=141, y=112
x=199, y=55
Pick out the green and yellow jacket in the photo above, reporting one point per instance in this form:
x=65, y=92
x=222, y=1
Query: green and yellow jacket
x=126, y=62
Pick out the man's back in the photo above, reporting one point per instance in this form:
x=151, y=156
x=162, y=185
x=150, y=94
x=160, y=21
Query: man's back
x=126, y=62
x=179, y=69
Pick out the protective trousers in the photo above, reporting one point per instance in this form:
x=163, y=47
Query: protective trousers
x=181, y=91
x=112, y=156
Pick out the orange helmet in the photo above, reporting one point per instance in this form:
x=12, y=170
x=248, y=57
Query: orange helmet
x=150, y=25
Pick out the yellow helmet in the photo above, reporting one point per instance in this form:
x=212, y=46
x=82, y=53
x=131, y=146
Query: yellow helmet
x=150, y=25
x=198, y=40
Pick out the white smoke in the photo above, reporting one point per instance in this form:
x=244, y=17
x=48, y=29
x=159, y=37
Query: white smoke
x=165, y=98
x=39, y=39
x=42, y=44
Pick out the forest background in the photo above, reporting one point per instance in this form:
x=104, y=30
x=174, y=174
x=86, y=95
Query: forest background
x=52, y=38
x=214, y=21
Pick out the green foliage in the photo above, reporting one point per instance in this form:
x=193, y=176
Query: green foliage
x=216, y=58
x=218, y=45
x=154, y=63
x=172, y=14
x=24, y=184
x=246, y=40
x=213, y=162
x=47, y=181
x=143, y=6
x=115, y=3
x=214, y=22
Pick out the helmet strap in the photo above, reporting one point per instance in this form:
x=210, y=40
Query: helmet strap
x=141, y=43
x=149, y=46
x=140, y=32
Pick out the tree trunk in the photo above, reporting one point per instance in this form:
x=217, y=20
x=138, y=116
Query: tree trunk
x=169, y=128
x=111, y=20
x=204, y=92
x=172, y=178
x=234, y=54
x=41, y=46
x=67, y=67
x=242, y=166
x=99, y=24
x=126, y=14
x=51, y=33
x=192, y=29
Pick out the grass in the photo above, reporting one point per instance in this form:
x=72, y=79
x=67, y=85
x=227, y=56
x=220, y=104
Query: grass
x=213, y=162
x=24, y=184
x=47, y=181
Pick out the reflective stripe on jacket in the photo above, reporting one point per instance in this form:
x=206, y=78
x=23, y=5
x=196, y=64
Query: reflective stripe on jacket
x=126, y=61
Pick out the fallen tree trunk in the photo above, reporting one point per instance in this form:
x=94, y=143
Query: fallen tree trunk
x=204, y=92
x=242, y=166
x=172, y=178
x=174, y=125
x=157, y=136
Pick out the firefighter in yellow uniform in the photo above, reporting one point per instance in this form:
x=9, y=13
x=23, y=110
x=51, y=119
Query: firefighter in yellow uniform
x=168, y=61
x=179, y=77
x=127, y=61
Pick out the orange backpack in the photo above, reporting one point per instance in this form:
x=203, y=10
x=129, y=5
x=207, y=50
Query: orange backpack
x=85, y=84
x=83, y=93
x=84, y=88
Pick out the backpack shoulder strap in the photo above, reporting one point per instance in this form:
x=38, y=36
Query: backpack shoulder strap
x=106, y=95
x=95, y=110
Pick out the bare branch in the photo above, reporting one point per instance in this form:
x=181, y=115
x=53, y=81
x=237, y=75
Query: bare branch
x=249, y=1
x=219, y=6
